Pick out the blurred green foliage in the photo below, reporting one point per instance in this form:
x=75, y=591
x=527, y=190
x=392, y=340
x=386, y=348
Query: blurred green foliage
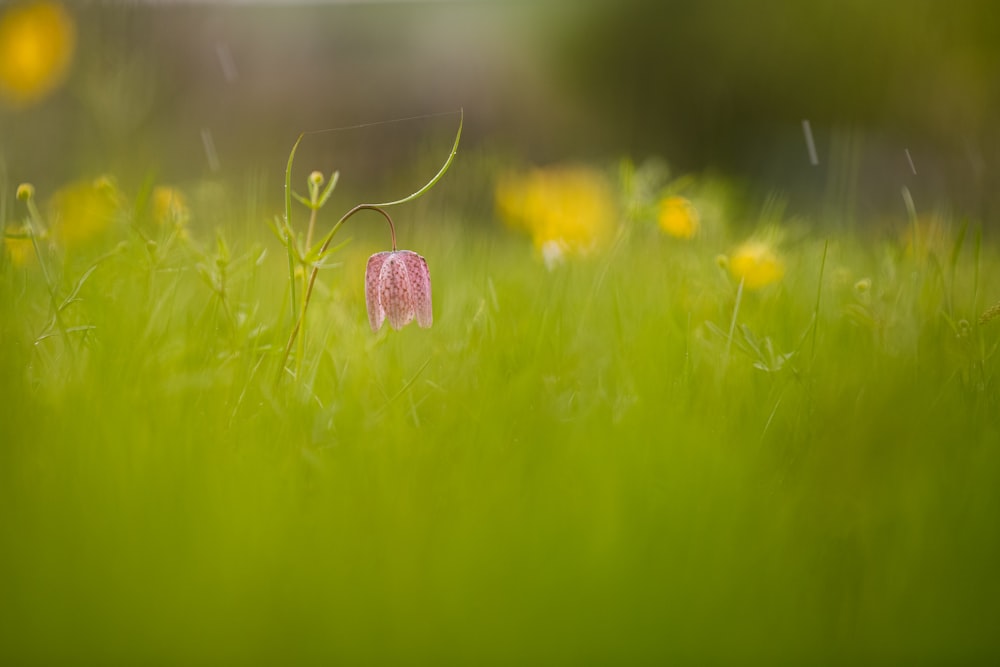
x=626, y=459
x=720, y=84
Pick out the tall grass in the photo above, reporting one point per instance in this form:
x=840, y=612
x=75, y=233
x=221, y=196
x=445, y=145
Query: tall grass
x=577, y=465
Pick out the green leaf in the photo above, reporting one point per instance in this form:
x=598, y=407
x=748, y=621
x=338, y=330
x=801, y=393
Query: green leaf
x=305, y=202
x=279, y=232
x=334, y=177
x=223, y=248
x=323, y=254
x=76, y=287
x=317, y=249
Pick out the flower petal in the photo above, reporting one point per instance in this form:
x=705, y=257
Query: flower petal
x=395, y=293
x=420, y=286
x=376, y=314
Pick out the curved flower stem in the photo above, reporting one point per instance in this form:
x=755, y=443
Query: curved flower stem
x=441, y=172
x=300, y=322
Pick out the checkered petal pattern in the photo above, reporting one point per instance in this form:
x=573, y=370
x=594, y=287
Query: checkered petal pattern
x=398, y=289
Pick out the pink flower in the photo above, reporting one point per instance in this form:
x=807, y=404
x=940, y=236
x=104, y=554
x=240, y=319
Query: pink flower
x=398, y=287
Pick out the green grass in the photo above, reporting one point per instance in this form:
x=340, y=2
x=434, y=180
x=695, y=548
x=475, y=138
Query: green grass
x=576, y=466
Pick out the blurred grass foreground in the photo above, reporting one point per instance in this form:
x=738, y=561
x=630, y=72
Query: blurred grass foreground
x=657, y=419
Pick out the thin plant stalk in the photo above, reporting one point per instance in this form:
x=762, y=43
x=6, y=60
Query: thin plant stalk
x=732, y=323
x=299, y=323
x=819, y=292
x=312, y=227
x=288, y=222
x=35, y=226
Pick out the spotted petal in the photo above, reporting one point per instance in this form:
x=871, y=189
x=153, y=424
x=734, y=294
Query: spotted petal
x=395, y=294
x=420, y=287
x=398, y=288
x=376, y=314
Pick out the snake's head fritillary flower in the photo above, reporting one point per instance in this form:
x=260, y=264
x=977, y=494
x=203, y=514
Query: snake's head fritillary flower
x=398, y=288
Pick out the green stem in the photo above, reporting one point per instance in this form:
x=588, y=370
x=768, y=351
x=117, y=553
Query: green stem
x=329, y=237
x=299, y=323
x=441, y=172
x=35, y=225
x=288, y=223
x=732, y=323
x=312, y=227
x=819, y=292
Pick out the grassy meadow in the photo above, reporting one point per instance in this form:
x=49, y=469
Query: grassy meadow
x=642, y=453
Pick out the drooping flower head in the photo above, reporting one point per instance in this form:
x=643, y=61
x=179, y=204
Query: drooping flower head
x=398, y=288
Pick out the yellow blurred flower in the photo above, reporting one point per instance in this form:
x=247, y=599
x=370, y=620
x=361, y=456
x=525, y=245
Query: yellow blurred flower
x=567, y=209
x=678, y=217
x=84, y=210
x=170, y=207
x=18, y=246
x=756, y=264
x=37, y=40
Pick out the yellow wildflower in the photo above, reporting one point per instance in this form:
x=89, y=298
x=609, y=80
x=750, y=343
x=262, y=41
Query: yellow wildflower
x=756, y=264
x=36, y=47
x=18, y=246
x=84, y=210
x=678, y=217
x=170, y=207
x=566, y=209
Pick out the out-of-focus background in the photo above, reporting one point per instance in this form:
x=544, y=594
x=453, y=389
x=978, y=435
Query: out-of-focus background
x=897, y=93
x=737, y=401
